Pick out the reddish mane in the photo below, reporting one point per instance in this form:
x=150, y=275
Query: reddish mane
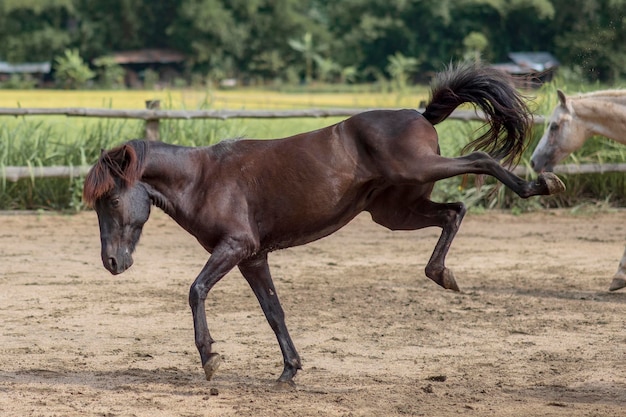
x=123, y=163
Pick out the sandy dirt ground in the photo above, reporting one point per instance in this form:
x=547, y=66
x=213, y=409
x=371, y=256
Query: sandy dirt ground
x=533, y=332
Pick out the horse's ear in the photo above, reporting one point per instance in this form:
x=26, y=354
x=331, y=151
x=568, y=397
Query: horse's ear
x=130, y=164
x=562, y=98
x=128, y=156
x=123, y=163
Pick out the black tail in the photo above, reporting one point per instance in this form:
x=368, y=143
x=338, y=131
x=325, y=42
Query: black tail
x=492, y=91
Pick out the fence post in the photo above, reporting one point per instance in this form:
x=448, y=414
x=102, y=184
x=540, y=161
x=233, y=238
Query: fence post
x=152, y=125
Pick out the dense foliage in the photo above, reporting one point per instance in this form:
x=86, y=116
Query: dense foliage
x=348, y=40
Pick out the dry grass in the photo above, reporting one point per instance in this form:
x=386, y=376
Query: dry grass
x=195, y=99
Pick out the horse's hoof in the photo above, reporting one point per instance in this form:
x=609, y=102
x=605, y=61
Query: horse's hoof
x=284, y=386
x=211, y=365
x=617, y=284
x=554, y=183
x=448, y=282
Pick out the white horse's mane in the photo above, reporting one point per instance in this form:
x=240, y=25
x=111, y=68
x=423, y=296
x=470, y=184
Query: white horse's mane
x=602, y=112
x=612, y=95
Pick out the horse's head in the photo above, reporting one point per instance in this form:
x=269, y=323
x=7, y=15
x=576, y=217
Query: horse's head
x=121, y=215
x=122, y=203
x=564, y=135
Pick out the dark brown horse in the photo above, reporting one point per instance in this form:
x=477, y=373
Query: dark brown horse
x=245, y=198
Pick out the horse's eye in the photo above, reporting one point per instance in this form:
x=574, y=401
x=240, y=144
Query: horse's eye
x=554, y=126
x=115, y=202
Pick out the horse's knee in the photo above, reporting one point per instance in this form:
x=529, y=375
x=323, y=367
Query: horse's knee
x=453, y=214
x=458, y=208
x=197, y=294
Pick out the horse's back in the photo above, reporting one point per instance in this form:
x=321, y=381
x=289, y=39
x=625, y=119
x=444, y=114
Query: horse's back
x=386, y=135
x=379, y=127
x=378, y=134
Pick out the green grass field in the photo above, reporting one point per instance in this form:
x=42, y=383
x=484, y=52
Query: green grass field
x=59, y=140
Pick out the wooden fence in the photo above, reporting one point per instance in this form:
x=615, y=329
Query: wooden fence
x=153, y=114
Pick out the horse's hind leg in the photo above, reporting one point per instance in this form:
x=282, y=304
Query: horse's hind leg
x=439, y=168
x=425, y=213
x=257, y=273
x=450, y=215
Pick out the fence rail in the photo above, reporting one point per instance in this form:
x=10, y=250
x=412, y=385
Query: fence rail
x=573, y=169
x=14, y=173
x=153, y=114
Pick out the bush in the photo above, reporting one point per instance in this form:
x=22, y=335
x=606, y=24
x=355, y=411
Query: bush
x=19, y=82
x=110, y=74
x=71, y=71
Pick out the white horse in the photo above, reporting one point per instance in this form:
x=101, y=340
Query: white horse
x=574, y=120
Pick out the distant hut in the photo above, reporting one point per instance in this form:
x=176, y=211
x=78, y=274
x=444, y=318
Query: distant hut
x=532, y=69
x=167, y=63
x=38, y=71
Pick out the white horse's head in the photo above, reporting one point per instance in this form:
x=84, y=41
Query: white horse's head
x=564, y=134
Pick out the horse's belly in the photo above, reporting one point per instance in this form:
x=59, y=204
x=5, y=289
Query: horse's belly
x=293, y=230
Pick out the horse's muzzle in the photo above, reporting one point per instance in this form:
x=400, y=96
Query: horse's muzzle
x=540, y=165
x=118, y=263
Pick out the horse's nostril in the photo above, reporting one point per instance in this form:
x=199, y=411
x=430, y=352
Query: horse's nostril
x=532, y=163
x=113, y=263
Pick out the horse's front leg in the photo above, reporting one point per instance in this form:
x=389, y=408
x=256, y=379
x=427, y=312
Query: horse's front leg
x=619, y=279
x=256, y=272
x=224, y=258
x=439, y=168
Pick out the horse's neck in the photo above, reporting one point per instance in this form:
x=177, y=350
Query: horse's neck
x=602, y=115
x=169, y=170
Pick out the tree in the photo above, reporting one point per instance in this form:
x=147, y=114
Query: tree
x=380, y=31
x=591, y=35
x=400, y=67
x=474, y=43
x=327, y=69
x=33, y=30
x=307, y=49
x=248, y=39
x=110, y=73
x=71, y=70
x=106, y=26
